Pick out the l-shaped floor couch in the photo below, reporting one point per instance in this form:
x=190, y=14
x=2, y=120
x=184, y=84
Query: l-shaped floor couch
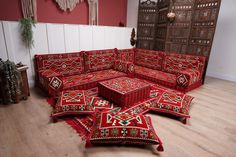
x=83, y=70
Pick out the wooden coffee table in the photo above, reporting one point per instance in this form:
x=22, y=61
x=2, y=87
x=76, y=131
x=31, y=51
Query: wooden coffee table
x=124, y=91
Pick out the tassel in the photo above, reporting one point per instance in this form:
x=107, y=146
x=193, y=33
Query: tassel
x=184, y=121
x=160, y=148
x=88, y=144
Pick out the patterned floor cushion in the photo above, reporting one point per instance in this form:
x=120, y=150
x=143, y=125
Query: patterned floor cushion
x=89, y=80
x=72, y=102
x=115, y=127
x=163, y=78
x=175, y=103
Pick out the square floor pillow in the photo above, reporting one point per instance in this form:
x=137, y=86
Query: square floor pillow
x=72, y=102
x=120, y=128
x=174, y=103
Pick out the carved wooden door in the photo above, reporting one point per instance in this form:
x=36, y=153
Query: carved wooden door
x=146, y=24
x=178, y=32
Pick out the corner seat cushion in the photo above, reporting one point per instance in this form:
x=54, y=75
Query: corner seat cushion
x=156, y=76
x=89, y=80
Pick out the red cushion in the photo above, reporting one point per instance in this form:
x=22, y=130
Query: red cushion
x=114, y=127
x=89, y=80
x=64, y=64
x=125, y=55
x=177, y=63
x=148, y=58
x=72, y=102
x=175, y=103
x=163, y=78
x=99, y=60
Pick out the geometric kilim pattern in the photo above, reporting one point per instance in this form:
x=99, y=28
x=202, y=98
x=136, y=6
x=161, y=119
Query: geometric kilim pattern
x=124, y=85
x=124, y=91
x=123, y=128
x=125, y=55
x=99, y=60
x=160, y=77
x=87, y=80
x=175, y=64
x=149, y=59
x=174, y=103
x=64, y=64
x=188, y=77
x=72, y=102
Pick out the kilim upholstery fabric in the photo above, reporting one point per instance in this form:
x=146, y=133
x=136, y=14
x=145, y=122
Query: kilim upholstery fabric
x=64, y=64
x=99, y=60
x=72, y=103
x=115, y=127
x=57, y=72
x=124, y=66
x=124, y=91
x=149, y=59
x=125, y=55
x=157, y=76
x=171, y=102
x=89, y=80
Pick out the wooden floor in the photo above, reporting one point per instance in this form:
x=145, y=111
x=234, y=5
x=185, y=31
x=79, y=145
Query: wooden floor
x=26, y=130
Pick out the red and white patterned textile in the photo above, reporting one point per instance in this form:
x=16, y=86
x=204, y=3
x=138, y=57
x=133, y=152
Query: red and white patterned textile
x=114, y=127
x=125, y=55
x=188, y=77
x=176, y=63
x=89, y=80
x=167, y=101
x=123, y=66
x=64, y=64
x=124, y=91
x=99, y=60
x=160, y=77
x=148, y=58
x=72, y=102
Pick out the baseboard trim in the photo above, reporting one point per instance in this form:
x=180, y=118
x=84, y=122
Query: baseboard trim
x=222, y=76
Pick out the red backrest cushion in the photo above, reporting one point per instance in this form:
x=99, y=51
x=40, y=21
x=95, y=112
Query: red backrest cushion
x=65, y=63
x=99, y=60
x=125, y=55
x=174, y=63
x=148, y=58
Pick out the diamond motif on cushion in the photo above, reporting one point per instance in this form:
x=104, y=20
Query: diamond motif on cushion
x=71, y=103
x=138, y=130
x=182, y=80
x=55, y=83
x=171, y=102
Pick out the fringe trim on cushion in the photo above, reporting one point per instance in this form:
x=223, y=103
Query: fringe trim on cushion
x=80, y=130
x=51, y=101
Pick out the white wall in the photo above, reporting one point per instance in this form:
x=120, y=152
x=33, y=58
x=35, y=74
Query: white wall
x=132, y=13
x=222, y=63
x=58, y=38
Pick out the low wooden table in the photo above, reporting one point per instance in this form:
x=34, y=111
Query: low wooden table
x=124, y=91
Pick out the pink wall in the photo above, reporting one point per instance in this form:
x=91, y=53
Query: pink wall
x=111, y=12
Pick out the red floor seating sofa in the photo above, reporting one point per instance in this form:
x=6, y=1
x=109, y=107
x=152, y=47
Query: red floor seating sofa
x=83, y=70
